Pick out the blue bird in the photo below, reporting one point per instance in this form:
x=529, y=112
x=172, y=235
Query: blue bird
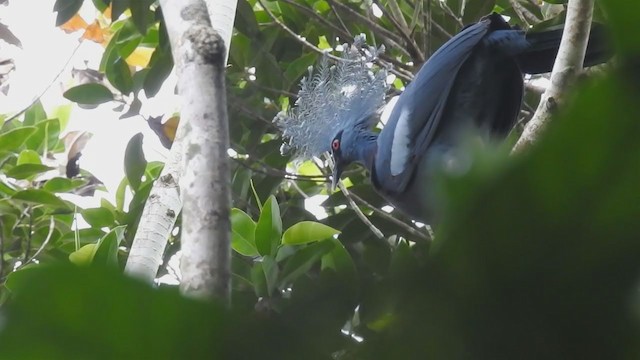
x=472, y=84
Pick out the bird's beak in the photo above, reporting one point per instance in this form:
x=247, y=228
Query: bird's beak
x=337, y=171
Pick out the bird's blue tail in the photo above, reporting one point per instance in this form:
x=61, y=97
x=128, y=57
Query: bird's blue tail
x=541, y=54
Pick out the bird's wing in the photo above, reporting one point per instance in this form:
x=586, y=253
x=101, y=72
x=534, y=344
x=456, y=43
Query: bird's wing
x=418, y=111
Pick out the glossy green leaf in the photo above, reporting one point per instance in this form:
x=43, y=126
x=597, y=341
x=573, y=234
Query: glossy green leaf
x=306, y=232
x=25, y=171
x=98, y=217
x=40, y=197
x=119, y=75
x=60, y=184
x=28, y=157
x=34, y=114
x=13, y=139
x=134, y=161
x=46, y=137
x=91, y=94
x=243, y=233
x=107, y=248
x=160, y=67
x=269, y=227
x=141, y=15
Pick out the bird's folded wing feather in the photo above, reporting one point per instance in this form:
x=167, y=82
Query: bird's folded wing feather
x=418, y=111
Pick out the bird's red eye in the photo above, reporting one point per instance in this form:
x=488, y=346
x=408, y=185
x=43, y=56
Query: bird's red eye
x=335, y=144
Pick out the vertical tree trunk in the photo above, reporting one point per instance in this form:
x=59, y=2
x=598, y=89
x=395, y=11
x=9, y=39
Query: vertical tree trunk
x=198, y=157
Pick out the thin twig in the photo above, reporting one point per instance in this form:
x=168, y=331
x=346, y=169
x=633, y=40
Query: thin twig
x=408, y=228
x=321, y=19
x=368, y=22
x=359, y=212
x=525, y=15
x=414, y=49
x=448, y=11
x=29, y=235
x=365, y=220
x=271, y=171
x=296, y=36
x=44, y=243
x=333, y=9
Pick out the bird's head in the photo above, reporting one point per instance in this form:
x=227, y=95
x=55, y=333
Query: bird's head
x=340, y=160
x=352, y=145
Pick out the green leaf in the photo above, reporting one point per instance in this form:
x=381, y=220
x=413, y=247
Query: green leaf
x=118, y=7
x=307, y=231
x=243, y=233
x=62, y=113
x=141, y=15
x=90, y=94
x=40, y=197
x=160, y=67
x=270, y=268
x=340, y=261
x=98, y=217
x=84, y=255
x=13, y=139
x=303, y=260
x=34, y=114
x=69, y=305
x=259, y=280
x=119, y=75
x=66, y=9
x=60, y=184
x=28, y=157
x=134, y=161
x=101, y=5
x=47, y=136
x=107, y=248
x=25, y=171
x=269, y=227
